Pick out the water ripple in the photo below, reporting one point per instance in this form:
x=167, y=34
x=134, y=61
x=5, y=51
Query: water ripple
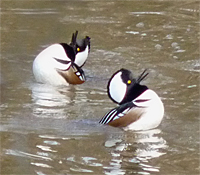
x=43, y=165
x=24, y=154
x=147, y=13
x=44, y=11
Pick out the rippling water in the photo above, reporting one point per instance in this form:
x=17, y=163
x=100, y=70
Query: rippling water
x=55, y=130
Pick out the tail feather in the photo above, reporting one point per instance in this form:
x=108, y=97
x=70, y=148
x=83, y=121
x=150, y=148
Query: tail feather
x=74, y=37
x=142, y=76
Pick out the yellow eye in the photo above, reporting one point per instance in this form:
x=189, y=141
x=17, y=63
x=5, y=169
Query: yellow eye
x=129, y=81
x=78, y=49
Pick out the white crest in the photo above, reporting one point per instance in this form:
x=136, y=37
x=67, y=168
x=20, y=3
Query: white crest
x=117, y=88
x=81, y=57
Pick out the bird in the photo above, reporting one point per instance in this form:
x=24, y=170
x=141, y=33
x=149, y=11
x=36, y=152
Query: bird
x=61, y=63
x=139, y=108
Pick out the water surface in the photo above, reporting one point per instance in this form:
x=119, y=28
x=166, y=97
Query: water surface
x=55, y=130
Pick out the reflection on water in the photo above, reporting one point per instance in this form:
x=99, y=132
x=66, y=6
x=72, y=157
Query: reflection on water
x=135, y=148
x=45, y=95
x=51, y=101
x=55, y=130
x=51, y=153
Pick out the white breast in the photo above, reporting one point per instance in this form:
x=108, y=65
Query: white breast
x=153, y=111
x=44, y=65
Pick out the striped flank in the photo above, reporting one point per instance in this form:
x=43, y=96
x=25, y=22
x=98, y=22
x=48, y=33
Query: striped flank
x=116, y=113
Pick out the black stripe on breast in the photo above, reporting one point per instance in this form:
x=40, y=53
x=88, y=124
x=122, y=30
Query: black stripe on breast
x=141, y=100
x=62, y=61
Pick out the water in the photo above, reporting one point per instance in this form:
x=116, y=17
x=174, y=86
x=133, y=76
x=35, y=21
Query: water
x=49, y=130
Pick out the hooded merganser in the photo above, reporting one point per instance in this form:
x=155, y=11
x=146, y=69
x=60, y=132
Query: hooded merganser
x=60, y=64
x=140, y=108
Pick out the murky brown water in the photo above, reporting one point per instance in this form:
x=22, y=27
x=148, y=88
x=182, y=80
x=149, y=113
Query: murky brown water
x=47, y=130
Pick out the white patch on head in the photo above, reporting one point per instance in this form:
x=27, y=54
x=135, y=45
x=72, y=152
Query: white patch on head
x=81, y=57
x=117, y=88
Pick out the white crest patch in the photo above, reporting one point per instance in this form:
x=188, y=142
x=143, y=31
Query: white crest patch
x=117, y=88
x=81, y=57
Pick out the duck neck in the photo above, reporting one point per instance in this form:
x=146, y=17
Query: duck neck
x=133, y=93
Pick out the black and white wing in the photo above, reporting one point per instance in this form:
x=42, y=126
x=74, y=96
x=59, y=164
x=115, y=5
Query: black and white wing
x=117, y=112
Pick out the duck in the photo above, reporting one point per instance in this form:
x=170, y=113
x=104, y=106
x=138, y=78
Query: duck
x=139, y=108
x=61, y=63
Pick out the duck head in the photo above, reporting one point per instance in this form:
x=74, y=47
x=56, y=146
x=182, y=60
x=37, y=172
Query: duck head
x=123, y=87
x=81, y=49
